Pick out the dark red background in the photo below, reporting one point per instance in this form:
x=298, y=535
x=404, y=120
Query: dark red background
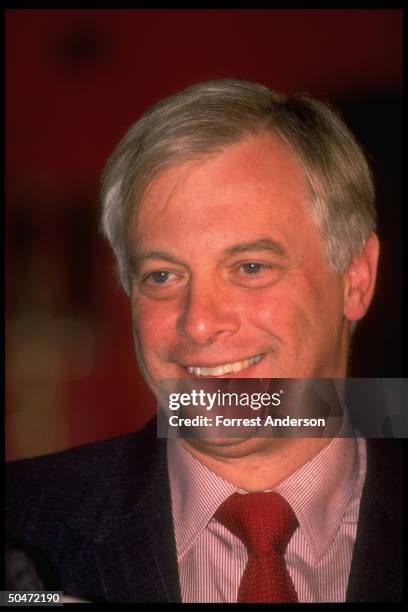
x=75, y=80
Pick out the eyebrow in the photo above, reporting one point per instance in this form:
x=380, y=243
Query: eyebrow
x=138, y=257
x=262, y=244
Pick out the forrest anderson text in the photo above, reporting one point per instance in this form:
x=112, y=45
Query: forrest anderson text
x=220, y=420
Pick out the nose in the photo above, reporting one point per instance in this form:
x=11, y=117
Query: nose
x=207, y=314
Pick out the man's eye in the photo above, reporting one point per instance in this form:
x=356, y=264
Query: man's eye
x=161, y=284
x=159, y=277
x=256, y=275
x=252, y=268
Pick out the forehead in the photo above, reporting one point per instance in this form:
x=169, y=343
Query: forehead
x=252, y=185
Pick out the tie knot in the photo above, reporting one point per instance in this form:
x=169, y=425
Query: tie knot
x=264, y=522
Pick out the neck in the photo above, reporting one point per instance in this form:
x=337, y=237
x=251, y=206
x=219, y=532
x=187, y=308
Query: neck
x=258, y=468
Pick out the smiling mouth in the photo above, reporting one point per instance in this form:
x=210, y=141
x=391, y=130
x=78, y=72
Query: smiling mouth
x=226, y=368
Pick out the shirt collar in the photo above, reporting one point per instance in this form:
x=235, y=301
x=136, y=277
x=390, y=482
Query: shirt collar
x=196, y=493
x=319, y=492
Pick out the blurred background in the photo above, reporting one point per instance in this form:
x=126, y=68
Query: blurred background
x=75, y=81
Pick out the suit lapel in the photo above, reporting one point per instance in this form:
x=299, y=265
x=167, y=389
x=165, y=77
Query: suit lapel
x=130, y=534
x=161, y=533
x=377, y=559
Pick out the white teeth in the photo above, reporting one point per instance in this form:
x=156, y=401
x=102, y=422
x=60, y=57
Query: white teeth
x=227, y=368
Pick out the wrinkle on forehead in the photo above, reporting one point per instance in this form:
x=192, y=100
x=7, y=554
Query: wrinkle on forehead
x=161, y=199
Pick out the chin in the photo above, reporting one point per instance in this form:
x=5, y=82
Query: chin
x=230, y=447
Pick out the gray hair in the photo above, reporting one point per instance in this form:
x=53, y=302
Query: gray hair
x=206, y=118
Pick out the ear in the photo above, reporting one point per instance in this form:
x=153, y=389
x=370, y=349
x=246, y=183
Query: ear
x=359, y=280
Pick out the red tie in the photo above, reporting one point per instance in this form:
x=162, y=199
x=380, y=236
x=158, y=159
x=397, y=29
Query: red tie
x=265, y=523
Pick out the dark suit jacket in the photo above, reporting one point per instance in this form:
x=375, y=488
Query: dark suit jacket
x=101, y=514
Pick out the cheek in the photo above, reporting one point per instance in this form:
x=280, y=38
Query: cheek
x=153, y=322
x=276, y=309
x=294, y=311
x=266, y=311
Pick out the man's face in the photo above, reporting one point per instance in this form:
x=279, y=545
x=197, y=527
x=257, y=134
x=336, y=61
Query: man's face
x=229, y=272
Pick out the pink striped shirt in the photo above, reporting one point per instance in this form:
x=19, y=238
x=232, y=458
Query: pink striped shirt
x=325, y=495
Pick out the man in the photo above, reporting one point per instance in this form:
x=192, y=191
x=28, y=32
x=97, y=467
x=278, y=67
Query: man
x=243, y=224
